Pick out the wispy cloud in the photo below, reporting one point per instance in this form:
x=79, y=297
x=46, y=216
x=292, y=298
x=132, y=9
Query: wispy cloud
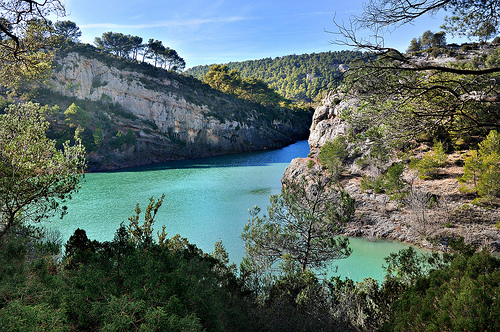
x=167, y=24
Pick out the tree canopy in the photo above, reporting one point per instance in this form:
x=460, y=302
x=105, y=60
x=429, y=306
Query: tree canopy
x=470, y=18
x=68, y=30
x=303, y=223
x=24, y=32
x=301, y=78
x=413, y=94
x=34, y=176
x=130, y=46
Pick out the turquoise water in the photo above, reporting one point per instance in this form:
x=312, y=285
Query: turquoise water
x=205, y=200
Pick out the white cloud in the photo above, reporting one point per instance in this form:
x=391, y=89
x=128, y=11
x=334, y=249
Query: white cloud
x=166, y=24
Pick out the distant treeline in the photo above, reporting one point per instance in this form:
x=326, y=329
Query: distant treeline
x=296, y=77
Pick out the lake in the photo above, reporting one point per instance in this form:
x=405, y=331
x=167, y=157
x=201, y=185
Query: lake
x=205, y=200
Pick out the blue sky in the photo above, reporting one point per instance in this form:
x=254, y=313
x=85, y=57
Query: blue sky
x=220, y=31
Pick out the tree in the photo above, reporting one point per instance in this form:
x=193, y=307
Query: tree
x=136, y=45
x=172, y=60
x=409, y=96
x=76, y=116
x=426, y=39
x=415, y=46
x=114, y=42
x=155, y=49
x=24, y=32
x=304, y=224
x=482, y=169
x=456, y=296
x=221, y=78
x=438, y=39
x=471, y=18
x=333, y=154
x=35, y=177
x=67, y=30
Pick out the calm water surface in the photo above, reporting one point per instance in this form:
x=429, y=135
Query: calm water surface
x=205, y=200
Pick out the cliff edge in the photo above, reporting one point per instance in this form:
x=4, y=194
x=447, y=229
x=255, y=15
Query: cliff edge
x=434, y=211
x=167, y=116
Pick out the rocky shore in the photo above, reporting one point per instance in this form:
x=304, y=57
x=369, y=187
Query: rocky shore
x=170, y=116
x=413, y=221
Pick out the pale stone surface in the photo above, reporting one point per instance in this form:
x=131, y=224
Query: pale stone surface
x=185, y=130
x=377, y=216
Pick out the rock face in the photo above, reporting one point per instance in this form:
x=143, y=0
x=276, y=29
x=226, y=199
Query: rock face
x=412, y=220
x=185, y=126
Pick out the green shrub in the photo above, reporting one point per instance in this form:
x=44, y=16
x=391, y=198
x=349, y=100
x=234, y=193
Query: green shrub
x=391, y=182
x=482, y=169
x=375, y=183
x=333, y=154
x=310, y=164
x=428, y=166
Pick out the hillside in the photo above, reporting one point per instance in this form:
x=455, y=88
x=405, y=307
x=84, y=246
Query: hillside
x=413, y=192
x=302, y=78
x=135, y=114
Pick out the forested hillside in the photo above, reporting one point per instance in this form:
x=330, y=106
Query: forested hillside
x=130, y=113
x=296, y=77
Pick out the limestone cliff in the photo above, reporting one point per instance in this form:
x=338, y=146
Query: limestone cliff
x=412, y=220
x=171, y=116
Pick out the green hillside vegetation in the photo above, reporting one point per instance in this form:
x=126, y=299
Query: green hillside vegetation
x=301, y=78
x=139, y=281
x=105, y=126
x=142, y=281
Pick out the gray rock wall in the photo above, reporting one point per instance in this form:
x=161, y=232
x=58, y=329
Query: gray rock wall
x=185, y=129
x=412, y=221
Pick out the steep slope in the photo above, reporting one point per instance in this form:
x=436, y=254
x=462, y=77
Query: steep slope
x=296, y=77
x=434, y=211
x=163, y=115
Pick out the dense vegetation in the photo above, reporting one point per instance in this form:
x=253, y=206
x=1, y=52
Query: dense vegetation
x=137, y=282
x=302, y=78
x=106, y=127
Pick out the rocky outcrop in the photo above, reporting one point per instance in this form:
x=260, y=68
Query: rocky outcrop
x=412, y=220
x=171, y=116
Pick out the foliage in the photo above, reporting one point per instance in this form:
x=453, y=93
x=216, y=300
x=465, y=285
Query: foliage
x=129, y=46
x=333, y=154
x=362, y=306
x=304, y=224
x=428, y=166
x=412, y=95
x=391, y=182
x=114, y=42
x=298, y=301
x=118, y=285
x=68, y=30
x=230, y=81
x=76, y=116
x=34, y=175
x=301, y=78
x=143, y=233
x=462, y=296
x=473, y=19
x=427, y=40
x=482, y=169
x=25, y=34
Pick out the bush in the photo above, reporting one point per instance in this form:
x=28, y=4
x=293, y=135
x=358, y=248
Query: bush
x=482, y=169
x=333, y=154
x=460, y=297
x=391, y=182
x=428, y=166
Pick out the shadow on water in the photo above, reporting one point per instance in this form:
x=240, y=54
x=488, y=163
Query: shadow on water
x=247, y=159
